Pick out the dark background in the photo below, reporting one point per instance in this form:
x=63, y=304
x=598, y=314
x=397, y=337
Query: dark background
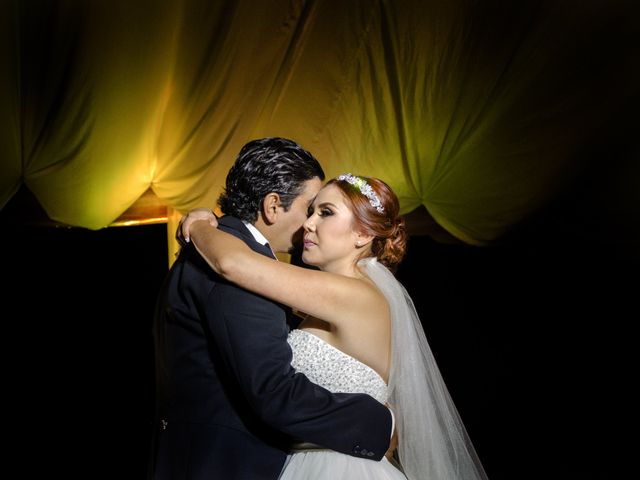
x=532, y=337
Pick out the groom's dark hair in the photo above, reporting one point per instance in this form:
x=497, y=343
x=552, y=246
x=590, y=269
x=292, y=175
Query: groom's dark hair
x=267, y=165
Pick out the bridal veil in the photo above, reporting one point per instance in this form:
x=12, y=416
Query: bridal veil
x=432, y=441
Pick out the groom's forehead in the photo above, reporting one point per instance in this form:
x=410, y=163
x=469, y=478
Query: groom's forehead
x=310, y=190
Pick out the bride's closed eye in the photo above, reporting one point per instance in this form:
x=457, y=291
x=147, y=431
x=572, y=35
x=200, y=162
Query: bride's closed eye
x=322, y=211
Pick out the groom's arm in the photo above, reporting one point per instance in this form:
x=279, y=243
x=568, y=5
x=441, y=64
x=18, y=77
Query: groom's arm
x=251, y=335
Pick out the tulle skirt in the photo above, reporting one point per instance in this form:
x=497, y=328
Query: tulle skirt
x=330, y=465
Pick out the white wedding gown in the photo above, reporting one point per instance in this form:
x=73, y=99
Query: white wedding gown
x=336, y=371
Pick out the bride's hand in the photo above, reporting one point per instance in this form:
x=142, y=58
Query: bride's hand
x=182, y=234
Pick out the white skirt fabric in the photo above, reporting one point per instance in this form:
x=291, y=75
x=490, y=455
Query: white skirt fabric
x=330, y=465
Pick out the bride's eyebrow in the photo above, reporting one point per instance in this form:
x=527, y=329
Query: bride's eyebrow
x=326, y=204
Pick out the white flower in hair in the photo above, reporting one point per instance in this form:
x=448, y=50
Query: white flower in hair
x=365, y=189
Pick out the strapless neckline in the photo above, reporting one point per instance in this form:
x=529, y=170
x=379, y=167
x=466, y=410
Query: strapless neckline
x=333, y=369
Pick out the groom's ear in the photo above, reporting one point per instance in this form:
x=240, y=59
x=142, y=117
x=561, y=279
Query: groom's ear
x=270, y=207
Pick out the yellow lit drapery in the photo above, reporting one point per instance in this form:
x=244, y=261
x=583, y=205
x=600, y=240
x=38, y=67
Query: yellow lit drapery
x=475, y=110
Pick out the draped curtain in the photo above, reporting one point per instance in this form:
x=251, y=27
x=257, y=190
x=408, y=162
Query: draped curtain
x=477, y=110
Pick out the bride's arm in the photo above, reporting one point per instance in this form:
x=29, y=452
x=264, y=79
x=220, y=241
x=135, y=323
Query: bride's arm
x=182, y=233
x=327, y=296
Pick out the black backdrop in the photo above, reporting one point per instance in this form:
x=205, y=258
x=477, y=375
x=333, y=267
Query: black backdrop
x=531, y=335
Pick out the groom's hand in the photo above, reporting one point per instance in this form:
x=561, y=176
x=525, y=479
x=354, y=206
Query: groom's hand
x=182, y=234
x=393, y=445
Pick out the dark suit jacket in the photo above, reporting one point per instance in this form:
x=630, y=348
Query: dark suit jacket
x=229, y=402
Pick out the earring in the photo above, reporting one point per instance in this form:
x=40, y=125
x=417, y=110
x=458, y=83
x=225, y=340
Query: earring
x=358, y=243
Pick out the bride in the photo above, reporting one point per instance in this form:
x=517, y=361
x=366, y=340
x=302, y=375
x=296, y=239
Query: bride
x=360, y=331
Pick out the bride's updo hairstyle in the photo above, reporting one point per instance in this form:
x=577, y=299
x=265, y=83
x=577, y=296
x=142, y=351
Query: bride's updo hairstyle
x=375, y=210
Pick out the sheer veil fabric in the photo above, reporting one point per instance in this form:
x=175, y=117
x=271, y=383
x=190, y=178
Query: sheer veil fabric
x=432, y=441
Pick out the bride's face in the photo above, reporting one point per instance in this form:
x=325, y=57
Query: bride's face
x=329, y=237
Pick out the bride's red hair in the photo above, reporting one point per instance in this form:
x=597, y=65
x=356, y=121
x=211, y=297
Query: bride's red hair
x=390, y=238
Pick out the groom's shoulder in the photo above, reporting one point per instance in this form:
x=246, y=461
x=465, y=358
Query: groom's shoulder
x=188, y=257
x=234, y=226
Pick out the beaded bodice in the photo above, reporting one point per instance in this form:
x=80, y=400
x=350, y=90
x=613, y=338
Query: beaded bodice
x=333, y=369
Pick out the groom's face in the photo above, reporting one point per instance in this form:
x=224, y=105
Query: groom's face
x=289, y=224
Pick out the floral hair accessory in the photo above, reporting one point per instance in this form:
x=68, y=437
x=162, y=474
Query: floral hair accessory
x=365, y=189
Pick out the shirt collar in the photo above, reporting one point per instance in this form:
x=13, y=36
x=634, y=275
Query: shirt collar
x=260, y=238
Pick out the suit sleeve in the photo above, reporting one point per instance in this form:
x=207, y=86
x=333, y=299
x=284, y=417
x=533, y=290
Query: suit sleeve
x=251, y=335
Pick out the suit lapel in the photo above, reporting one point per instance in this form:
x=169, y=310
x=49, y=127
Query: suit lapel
x=235, y=226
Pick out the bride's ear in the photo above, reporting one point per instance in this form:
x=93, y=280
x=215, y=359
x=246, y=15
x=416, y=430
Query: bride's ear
x=363, y=240
x=270, y=207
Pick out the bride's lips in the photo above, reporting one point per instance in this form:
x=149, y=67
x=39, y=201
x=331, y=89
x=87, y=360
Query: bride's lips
x=308, y=243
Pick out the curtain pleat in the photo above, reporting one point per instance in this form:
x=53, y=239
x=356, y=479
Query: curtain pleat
x=478, y=111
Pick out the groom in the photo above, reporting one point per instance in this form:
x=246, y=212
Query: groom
x=229, y=403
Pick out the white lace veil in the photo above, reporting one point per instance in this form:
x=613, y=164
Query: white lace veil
x=432, y=441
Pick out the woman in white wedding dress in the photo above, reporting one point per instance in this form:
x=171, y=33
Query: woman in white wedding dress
x=360, y=331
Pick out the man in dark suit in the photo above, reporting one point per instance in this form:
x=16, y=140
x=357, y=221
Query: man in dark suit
x=228, y=401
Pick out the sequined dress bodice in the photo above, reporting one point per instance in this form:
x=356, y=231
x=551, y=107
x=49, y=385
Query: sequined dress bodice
x=333, y=369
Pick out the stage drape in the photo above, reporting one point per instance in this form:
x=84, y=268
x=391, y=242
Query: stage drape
x=479, y=111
